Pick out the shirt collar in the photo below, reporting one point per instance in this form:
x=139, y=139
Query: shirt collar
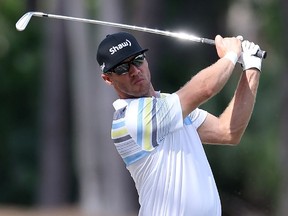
x=121, y=103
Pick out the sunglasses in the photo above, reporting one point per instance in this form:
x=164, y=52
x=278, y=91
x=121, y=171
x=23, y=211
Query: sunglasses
x=123, y=68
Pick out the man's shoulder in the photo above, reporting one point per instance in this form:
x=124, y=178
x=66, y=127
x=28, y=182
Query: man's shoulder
x=122, y=103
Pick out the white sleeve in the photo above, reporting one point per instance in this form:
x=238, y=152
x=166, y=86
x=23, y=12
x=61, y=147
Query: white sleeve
x=198, y=116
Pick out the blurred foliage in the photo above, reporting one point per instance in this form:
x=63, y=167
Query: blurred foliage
x=248, y=171
x=19, y=65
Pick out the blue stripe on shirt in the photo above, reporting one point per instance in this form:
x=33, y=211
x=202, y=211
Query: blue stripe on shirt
x=118, y=124
x=135, y=157
x=140, y=121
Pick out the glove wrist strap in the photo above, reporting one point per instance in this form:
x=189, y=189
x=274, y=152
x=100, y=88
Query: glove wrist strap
x=232, y=56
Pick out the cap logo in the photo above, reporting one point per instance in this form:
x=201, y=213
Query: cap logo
x=102, y=66
x=120, y=46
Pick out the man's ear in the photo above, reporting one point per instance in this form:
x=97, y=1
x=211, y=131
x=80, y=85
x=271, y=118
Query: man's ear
x=106, y=78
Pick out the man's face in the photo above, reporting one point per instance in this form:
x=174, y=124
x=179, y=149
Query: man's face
x=136, y=82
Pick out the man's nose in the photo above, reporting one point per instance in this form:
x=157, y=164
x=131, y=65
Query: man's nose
x=133, y=70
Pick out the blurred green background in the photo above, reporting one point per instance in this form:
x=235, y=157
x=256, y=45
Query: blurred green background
x=56, y=112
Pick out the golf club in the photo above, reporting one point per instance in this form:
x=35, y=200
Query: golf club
x=24, y=20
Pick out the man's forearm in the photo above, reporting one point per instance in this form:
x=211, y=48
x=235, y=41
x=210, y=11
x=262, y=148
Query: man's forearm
x=237, y=115
x=205, y=85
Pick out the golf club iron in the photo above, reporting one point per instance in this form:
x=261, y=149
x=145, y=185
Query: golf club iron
x=24, y=20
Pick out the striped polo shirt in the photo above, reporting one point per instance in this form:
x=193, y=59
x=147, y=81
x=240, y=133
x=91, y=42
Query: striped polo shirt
x=165, y=156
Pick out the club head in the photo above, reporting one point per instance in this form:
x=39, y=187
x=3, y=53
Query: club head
x=23, y=21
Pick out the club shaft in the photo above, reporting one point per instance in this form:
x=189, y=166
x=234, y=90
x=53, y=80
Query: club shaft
x=123, y=26
x=260, y=53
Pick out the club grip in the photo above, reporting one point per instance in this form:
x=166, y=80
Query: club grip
x=260, y=53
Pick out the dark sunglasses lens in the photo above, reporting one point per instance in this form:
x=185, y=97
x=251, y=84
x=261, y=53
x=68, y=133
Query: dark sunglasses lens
x=120, y=69
x=138, y=61
x=124, y=68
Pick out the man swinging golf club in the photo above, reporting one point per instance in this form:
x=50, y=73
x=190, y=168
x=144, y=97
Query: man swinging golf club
x=159, y=136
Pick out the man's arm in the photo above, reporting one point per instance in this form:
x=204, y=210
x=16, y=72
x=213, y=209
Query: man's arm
x=210, y=80
x=230, y=126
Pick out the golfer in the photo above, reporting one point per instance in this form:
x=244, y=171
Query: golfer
x=159, y=136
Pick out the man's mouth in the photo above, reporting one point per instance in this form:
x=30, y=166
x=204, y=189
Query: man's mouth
x=138, y=80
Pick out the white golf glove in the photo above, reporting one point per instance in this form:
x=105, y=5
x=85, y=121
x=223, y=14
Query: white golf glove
x=247, y=58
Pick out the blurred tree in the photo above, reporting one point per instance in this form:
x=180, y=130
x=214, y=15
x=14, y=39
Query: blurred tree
x=55, y=178
x=115, y=180
x=96, y=159
x=283, y=203
x=18, y=95
x=85, y=138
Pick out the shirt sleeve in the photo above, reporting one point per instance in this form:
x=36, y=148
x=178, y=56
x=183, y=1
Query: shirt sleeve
x=197, y=117
x=150, y=119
